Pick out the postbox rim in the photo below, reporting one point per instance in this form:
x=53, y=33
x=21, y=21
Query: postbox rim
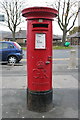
x=27, y=11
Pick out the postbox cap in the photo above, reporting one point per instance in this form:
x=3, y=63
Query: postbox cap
x=39, y=12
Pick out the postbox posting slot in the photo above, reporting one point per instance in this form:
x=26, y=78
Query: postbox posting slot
x=40, y=25
x=40, y=41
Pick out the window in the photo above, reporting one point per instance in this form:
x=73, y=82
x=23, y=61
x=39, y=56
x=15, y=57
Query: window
x=0, y=45
x=4, y=45
x=11, y=46
x=17, y=45
x=1, y=17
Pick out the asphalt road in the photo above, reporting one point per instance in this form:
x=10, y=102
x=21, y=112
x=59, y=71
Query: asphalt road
x=60, y=56
x=60, y=53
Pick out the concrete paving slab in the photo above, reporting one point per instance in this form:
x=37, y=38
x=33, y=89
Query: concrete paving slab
x=13, y=70
x=0, y=103
x=14, y=97
x=17, y=82
x=65, y=98
x=65, y=104
x=59, y=81
x=64, y=81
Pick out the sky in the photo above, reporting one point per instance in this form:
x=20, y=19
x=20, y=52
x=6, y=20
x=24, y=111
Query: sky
x=32, y=3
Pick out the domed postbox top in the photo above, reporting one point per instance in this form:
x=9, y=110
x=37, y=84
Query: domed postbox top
x=39, y=12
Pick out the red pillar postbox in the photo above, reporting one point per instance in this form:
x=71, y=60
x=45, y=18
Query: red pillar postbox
x=39, y=57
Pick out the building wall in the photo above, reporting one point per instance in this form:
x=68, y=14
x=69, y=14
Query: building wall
x=21, y=41
x=74, y=41
x=17, y=40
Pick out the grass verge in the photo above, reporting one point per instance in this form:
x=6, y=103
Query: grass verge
x=55, y=47
x=62, y=47
x=23, y=48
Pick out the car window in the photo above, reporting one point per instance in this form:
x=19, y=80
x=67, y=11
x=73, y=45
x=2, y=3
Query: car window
x=11, y=46
x=4, y=45
x=0, y=45
x=17, y=45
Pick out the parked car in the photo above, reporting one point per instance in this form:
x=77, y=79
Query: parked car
x=10, y=52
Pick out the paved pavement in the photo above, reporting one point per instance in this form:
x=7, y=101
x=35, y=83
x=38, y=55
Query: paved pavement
x=14, y=96
x=13, y=102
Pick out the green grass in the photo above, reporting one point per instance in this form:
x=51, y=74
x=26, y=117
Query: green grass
x=55, y=47
x=23, y=48
x=62, y=47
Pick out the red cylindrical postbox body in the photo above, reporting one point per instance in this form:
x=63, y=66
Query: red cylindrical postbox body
x=39, y=48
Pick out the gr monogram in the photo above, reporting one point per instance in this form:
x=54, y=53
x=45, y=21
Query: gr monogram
x=40, y=72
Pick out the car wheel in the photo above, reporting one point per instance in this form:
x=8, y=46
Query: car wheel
x=12, y=60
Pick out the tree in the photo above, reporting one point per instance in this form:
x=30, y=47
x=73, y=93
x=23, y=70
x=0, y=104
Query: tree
x=74, y=30
x=67, y=15
x=12, y=9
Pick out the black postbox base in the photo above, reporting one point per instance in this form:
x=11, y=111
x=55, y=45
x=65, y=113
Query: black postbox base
x=40, y=101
